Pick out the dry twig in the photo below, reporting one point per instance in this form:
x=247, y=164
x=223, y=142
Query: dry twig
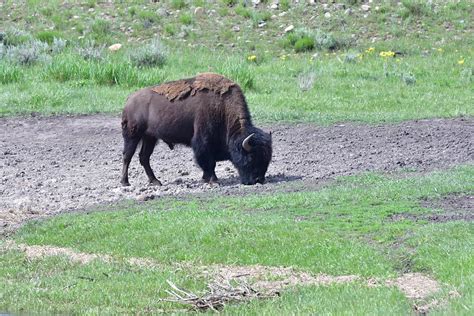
x=219, y=294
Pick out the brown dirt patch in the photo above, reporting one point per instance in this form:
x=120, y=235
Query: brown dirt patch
x=454, y=207
x=50, y=165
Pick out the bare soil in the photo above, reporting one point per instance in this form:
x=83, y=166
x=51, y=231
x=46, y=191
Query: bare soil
x=56, y=164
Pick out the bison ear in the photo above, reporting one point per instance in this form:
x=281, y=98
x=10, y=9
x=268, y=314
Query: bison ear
x=246, y=143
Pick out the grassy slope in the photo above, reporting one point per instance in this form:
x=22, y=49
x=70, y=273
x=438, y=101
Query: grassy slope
x=344, y=229
x=370, y=89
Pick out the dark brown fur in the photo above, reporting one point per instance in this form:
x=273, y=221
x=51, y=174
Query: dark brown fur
x=208, y=113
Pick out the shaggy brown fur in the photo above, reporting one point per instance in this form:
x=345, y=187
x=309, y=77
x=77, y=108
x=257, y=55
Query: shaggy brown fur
x=180, y=89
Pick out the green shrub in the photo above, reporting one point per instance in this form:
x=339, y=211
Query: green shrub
x=148, y=16
x=186, y=19
x=170, y=29
x=14, y=37
x=29, y=53
x=101, y=29
x=178, y=4
x=284, y=5
x=327, y=41
x=48, y=36
x=10, y=73
x=243, y=11
x=91, y=51
x=151, y=55
x=416, y=7
x=304, y=44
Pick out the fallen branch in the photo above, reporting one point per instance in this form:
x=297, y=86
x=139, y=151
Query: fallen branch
x=219, y=294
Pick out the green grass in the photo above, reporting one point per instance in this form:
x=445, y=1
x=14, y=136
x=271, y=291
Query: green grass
x=340, y=229
x=370, y=89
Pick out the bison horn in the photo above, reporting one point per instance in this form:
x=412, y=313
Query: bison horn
x=246, y=143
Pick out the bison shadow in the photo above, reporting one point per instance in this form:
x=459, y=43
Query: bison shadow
x=270, y=179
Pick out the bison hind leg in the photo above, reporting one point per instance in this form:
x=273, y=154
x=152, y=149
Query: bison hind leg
x=129, y=148
x=148, y=145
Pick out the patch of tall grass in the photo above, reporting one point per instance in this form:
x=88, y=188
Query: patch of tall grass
x=118, y=71
x=10, y=73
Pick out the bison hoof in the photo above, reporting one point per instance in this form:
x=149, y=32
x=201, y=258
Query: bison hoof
x=125, y=184
x=155, y=182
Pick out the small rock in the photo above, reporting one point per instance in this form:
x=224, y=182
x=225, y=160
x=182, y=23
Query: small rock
x=162, y=12
x=145, y=197
x=274, y=6
x=282, y=14
x=199, y=11
x=348, y=11
x=115, y=47
x=365, y=7
x=261, y=24
x=289, y=28
x=327, y=15
x=236, y=28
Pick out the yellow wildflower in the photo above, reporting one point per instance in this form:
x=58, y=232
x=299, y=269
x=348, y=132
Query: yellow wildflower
x=283, y=57
x=387, y=54
x=461, y=61
x=252, y=58
x=440, y=50
x=370, y=50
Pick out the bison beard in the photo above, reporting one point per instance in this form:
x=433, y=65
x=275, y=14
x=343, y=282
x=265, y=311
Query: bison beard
x=207, y=112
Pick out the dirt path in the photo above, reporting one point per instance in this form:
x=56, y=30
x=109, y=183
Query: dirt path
x=56, y=164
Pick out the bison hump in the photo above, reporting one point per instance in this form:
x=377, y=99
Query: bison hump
x=180, y=89
x=173, y=90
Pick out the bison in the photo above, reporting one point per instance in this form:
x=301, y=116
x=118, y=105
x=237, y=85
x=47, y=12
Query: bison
x=208, y=113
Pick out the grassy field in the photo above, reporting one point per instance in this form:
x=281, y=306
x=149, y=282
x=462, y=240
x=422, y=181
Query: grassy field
x=391, y=64
x=395, y=61
x=341, y=229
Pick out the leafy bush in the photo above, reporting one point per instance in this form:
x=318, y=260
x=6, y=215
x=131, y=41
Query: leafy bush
x=14, y=37
x=91, y=51
x=151, y=55
x=58, y=45
x=304, y=44
x=416, y=7
x=327, y=41
x=28, y=53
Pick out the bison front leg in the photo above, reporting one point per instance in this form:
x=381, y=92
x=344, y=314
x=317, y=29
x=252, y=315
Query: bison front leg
x=148, y=144
x=206, y=161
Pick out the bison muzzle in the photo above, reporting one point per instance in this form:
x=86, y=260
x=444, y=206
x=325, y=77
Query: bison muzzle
x=208, y=113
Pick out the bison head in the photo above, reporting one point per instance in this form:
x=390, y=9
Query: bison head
x=251, y=155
